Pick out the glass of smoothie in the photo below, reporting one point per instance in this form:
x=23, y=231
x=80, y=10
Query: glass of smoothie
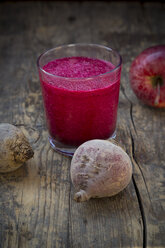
x=80, y=87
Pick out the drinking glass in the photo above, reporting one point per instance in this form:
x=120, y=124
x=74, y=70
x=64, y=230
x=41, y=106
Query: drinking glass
x=80, y=109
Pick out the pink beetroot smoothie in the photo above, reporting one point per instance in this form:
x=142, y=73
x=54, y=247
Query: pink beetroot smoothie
x=80, y=103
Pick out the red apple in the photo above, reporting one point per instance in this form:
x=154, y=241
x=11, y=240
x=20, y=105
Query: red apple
x=147, y=76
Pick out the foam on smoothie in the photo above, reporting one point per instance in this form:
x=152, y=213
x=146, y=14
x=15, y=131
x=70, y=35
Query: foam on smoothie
x=78, y=68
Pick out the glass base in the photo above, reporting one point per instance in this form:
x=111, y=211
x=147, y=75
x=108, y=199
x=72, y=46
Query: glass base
x=62, y=148
x=67, y=150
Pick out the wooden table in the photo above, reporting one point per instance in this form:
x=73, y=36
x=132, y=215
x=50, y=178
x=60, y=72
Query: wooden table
x=37, y=209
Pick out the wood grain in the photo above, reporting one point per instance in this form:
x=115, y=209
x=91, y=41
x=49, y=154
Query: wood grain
x=36, y=201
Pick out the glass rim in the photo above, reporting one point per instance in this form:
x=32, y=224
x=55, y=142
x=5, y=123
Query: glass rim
x=79, y=44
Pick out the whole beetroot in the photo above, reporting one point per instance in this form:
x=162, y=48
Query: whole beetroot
x=14, y=148
x=99, y=168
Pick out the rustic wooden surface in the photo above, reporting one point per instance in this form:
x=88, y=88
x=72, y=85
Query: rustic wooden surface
x=37, y=209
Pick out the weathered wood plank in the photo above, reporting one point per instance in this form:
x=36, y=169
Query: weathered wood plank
x=141, y=128
x=36, y=201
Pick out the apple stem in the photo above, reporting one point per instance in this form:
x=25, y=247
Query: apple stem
x=157, y=94
x=157, y=80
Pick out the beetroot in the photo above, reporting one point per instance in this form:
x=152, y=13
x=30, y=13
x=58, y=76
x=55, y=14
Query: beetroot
x=99, y=168
x=14, y=148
